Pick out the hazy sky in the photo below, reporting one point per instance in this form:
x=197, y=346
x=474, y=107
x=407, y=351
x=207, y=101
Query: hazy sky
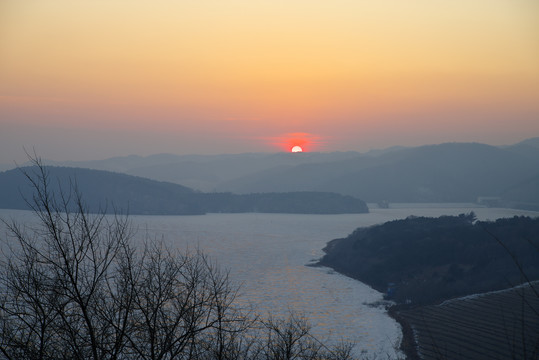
x=93, y=79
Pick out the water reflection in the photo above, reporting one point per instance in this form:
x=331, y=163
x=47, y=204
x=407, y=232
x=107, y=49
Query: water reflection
x=266, y=254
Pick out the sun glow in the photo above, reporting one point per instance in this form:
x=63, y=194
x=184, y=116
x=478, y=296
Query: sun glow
x=297, y=142
x=246, y=76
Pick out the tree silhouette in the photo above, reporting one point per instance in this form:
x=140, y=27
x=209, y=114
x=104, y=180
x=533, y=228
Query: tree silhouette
x=76, y=287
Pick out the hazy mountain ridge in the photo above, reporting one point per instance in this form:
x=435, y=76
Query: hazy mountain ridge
x=116, y=192
x=452, y=172
x=533, y=142
x=202, y=172
x=449, y=172
x=440, y=173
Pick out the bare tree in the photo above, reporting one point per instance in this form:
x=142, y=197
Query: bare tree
x=57, y=280
x=181, y=302
x=290, y=338
x=75, y=287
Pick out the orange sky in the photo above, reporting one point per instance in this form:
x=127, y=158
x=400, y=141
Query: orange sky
x=91, y=79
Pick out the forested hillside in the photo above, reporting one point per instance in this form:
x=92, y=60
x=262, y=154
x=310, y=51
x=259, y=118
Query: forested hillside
x=114, y=192
x=424, y=260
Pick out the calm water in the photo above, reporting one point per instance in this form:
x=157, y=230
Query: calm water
x=266, y=254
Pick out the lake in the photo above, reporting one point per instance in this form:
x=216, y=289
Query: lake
x=267, y=255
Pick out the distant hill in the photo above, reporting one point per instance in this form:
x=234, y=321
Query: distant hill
x=427, y=260
x=203, y=172
x=533, y=142
x=111, y=192
x=450, y=172
x=524, y=195
x=453, y=172
x=528, y=148
x=103, y=190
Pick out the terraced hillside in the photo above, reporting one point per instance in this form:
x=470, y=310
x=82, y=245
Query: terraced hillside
x=498, y=325
x=423, y=262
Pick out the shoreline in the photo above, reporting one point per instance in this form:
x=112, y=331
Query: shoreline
x=413, y=340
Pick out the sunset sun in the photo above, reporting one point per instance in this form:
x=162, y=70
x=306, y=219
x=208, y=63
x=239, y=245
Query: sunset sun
x=296, y=149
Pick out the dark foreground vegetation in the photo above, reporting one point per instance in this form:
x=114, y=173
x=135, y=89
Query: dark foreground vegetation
x=420, y=262
x=76, y=287
x=138, y=195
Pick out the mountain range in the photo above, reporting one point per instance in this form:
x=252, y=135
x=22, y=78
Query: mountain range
x=449, y=172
